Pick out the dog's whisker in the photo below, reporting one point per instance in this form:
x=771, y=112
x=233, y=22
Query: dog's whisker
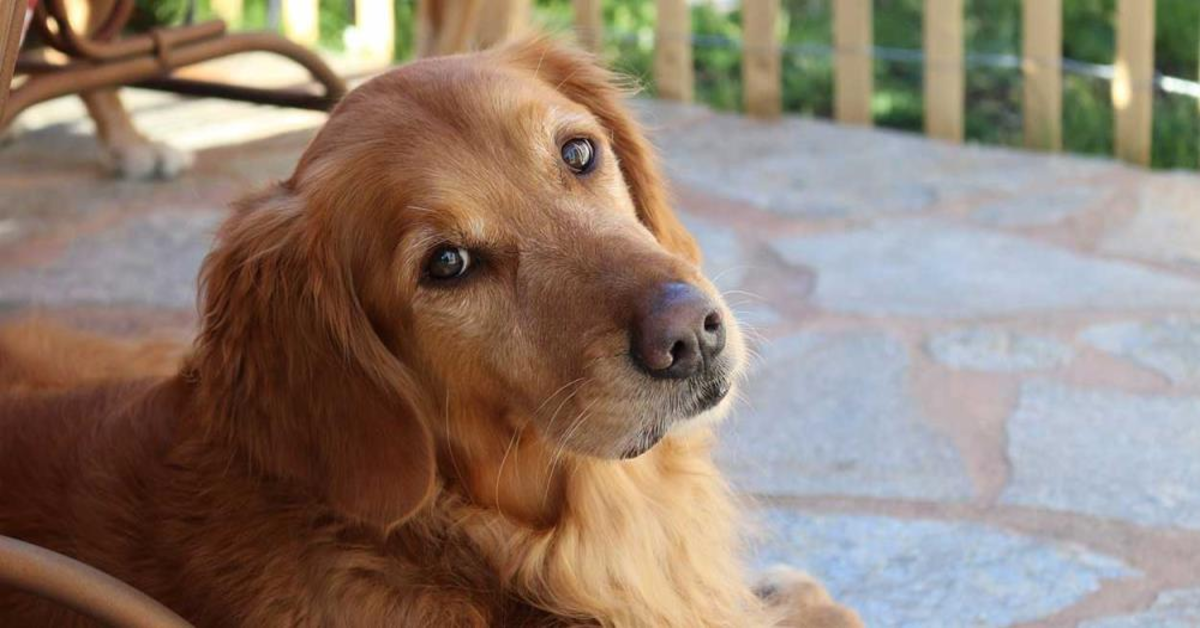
x=745, y=293
x=550, y=424
x=516, y=437
x=577, y=422
x=562, y=444
x=555, y=394
x=450, y=440
x=754, y=337
x=731, y=268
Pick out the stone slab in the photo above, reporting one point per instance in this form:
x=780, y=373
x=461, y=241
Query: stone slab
x=830, y=413
x=1106, y=453
x=797, y=167
x=816, y=170
x=1165, y=228
x=147, y=260
x=934, y=268
x=1037, y=208
x=902, y=573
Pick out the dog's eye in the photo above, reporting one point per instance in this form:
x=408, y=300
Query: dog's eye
x=448, y=262
x=579, y=155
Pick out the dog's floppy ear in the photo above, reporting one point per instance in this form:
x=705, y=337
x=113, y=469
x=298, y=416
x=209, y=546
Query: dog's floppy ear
x=293, y=374
x=580, y=77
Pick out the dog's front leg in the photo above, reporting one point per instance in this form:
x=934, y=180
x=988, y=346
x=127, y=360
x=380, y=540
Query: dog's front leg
x=130, y=154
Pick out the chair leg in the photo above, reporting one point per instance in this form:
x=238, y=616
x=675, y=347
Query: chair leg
x=12, y=22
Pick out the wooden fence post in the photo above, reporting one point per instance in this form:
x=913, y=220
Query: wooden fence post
x=228, y=10
x=761, y=84
x=944, y=70
x=300, y=22
x=1041, y=68
x=673, y=51
x=454, y=26
x=853, y=79
x=501, y=19
x=1133, y=80
x=375, y=21
x=589, y=25
x=446, y=27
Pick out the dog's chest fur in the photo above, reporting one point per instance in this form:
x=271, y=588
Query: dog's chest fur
x=649, y=542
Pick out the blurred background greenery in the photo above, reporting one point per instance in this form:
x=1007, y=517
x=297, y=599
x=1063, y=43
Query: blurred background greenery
x=993, y=27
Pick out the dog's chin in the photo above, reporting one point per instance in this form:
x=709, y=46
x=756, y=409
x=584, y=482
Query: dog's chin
x=710, y=413
x=645, y=442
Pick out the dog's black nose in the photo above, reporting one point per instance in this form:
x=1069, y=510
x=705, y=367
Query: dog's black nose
x=677, y=332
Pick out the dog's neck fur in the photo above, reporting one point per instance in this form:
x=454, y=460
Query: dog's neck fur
x=603, y=539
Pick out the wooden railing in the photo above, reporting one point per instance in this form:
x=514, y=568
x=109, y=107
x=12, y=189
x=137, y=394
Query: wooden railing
x=944, y=66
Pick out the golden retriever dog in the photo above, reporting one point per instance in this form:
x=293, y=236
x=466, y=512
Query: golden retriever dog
x=461, y=369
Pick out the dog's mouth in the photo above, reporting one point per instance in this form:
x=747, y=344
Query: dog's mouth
x=708, y=396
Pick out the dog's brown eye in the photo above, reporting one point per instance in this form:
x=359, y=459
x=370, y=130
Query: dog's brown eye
x=579, y=155
x=448, y=262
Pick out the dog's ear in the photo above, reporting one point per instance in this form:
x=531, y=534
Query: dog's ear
x=294, y=376
x=580, y=77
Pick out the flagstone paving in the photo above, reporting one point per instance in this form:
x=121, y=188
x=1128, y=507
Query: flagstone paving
x=976, y=400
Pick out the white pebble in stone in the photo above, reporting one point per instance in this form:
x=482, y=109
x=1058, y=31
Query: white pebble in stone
x=1169, y=346
x=989, y=349
x=1106, y=453
x=1172, y=609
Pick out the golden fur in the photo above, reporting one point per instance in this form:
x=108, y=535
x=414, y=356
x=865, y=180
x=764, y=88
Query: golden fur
x=347, y=444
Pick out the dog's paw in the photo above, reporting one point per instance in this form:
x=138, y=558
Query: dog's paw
x=802, y=601
x=147, y=160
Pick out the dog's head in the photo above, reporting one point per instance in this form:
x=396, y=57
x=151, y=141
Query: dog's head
x=489, y=229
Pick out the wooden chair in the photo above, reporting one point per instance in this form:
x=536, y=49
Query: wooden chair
x=107, y=58
x=12, y=22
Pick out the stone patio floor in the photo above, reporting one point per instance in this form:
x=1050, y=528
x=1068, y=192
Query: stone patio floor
x=977, y=398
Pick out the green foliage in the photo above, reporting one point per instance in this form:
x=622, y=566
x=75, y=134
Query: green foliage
x=149, y=13
x=807, y=73
x=406, y=32
x=333, y=18
x=629, y=45
x=1087, y=116
x=898, y=101
x=993, y=95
